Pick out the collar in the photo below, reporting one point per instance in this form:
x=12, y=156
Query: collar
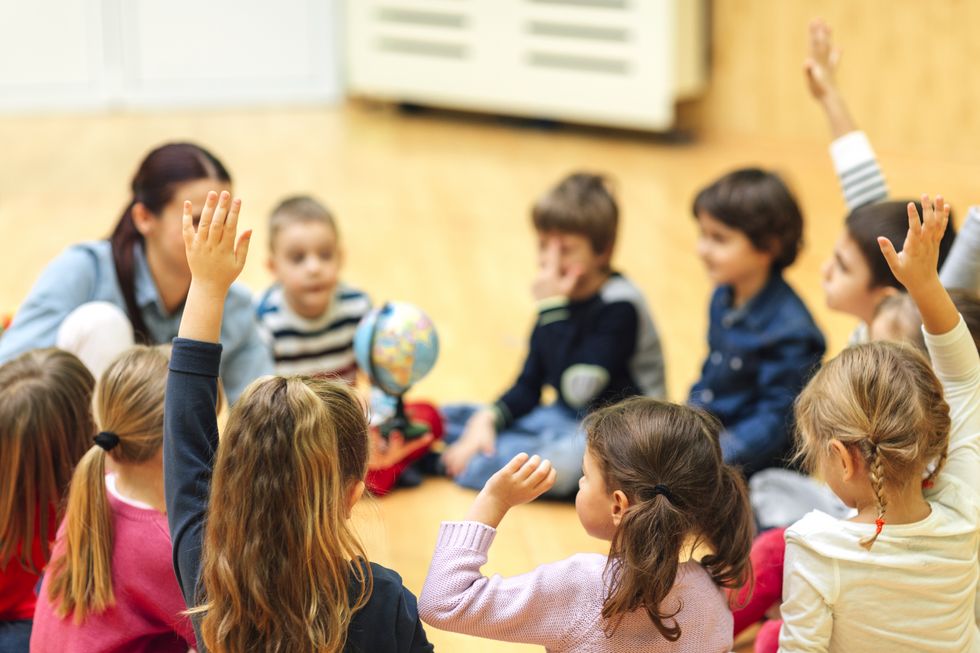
x=759, y=310
x=144, y=287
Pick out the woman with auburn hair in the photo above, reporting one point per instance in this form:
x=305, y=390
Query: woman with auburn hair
x=45, y=427
x=278, y=567
x=99, y=298
x=110, y=584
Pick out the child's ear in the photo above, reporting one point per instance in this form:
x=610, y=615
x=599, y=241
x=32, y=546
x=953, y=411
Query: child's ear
x=845, y=458
x=270, y=264
x=620, y=503
x=354, y=495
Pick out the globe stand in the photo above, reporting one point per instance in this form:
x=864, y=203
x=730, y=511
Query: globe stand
x=400, y=422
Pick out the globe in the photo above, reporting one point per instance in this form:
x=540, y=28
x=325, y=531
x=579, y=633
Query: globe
x=396, y=345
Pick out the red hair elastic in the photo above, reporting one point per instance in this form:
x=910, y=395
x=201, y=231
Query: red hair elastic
x=927, y=483
x=879, y=524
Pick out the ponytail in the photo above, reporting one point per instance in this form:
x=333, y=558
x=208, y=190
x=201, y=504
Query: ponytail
x=643, y=564
x=123, y=239
x=81, y=578
x=731, y=532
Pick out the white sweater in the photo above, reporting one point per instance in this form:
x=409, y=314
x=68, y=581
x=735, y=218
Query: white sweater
x=917, y=587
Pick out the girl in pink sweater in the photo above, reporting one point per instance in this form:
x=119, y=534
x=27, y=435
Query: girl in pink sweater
x=110, y=585
x=655, y=486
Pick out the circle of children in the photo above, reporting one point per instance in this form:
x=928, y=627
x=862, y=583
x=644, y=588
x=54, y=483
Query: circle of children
x=127, y=524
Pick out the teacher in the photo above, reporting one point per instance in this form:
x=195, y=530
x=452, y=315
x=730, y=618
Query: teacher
x=98, y=298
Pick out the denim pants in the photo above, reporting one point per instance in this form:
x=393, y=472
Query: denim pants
x=553, y=432
x=15, y=636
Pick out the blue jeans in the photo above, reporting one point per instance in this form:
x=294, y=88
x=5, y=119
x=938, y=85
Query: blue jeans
x=553, y=432
x=15, y=636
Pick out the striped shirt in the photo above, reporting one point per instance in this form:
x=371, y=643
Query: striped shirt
x=324, y=345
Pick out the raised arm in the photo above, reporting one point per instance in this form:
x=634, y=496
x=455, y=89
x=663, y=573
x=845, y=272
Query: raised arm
x=190, y=421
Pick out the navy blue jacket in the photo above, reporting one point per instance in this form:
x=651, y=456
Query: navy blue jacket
x=389, y=623
x=761, y=355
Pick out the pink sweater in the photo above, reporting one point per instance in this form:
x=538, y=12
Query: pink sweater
x=559, y=605
x=146, y=617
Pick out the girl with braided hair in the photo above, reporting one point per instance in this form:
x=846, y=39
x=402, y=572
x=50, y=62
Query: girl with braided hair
x=899, y=441
x=655, y=486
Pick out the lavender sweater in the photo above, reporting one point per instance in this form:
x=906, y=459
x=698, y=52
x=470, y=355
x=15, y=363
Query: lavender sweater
x=559, y=605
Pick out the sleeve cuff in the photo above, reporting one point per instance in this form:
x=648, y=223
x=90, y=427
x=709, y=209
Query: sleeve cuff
x=551, y=303
x=851, y=150
x=502, y=417
x=466, y=535
x=195, y=357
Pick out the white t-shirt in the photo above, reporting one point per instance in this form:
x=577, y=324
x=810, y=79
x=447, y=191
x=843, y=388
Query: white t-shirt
x=916, y=589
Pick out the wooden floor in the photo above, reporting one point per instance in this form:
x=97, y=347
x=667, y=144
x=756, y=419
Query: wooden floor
x=434, y=210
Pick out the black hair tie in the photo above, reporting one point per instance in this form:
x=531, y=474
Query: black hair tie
x=662, y=489
x=107, y=440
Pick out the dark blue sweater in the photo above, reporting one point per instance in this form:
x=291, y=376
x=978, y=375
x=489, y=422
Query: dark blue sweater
x=389, y=623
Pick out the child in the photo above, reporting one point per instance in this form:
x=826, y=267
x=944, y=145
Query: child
x=654, y=486
x=856, y=278
x=763, y=342
x=594, y=342
x=902, y=574
x=278, y=566
x=308, y=317
x=45, y=426
x=110, y=585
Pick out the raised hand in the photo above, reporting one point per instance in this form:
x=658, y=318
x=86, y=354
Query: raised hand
x=916, y=265
x=216, y=256
x=551, y=280
x=822, y=59
x=521, y=480
x=918, y=261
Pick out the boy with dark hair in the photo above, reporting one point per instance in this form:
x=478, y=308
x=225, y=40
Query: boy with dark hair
x=763, y=342
x=594, y=343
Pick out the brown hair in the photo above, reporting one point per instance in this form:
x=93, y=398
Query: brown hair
x=278, y=549
x=904, y=319
x=45, y=427
x=759, y=204
x=582, y=203
x=300, y=208
x=667, y=461
x=891, y=220
x=154, y=184
x=883, y=401
x=129, y=404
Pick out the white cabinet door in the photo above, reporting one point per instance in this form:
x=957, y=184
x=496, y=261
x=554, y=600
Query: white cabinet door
x=51, y=54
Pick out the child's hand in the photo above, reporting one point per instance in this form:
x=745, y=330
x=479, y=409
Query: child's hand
x=821, y=63
x=520, y=481
x=915, y=266
x=551, y=281
x=215, y=260
x=479, y=436
x=390, y=452
x=918, y=261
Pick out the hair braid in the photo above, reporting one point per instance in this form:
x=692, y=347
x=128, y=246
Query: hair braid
x=876, y=474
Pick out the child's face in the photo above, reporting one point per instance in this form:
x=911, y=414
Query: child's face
x=576, y=254
x=847, y=280
x=728, y=254
x=306, y=259
x=594, y=502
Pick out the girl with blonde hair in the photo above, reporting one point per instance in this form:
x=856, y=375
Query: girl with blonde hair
x=45, y=424
x=899, y=441
x=263, y=547
x=110, y=585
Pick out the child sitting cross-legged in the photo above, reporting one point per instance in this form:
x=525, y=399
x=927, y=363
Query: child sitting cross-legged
x=309, y=317
x=594, y=342
x=679, y=526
